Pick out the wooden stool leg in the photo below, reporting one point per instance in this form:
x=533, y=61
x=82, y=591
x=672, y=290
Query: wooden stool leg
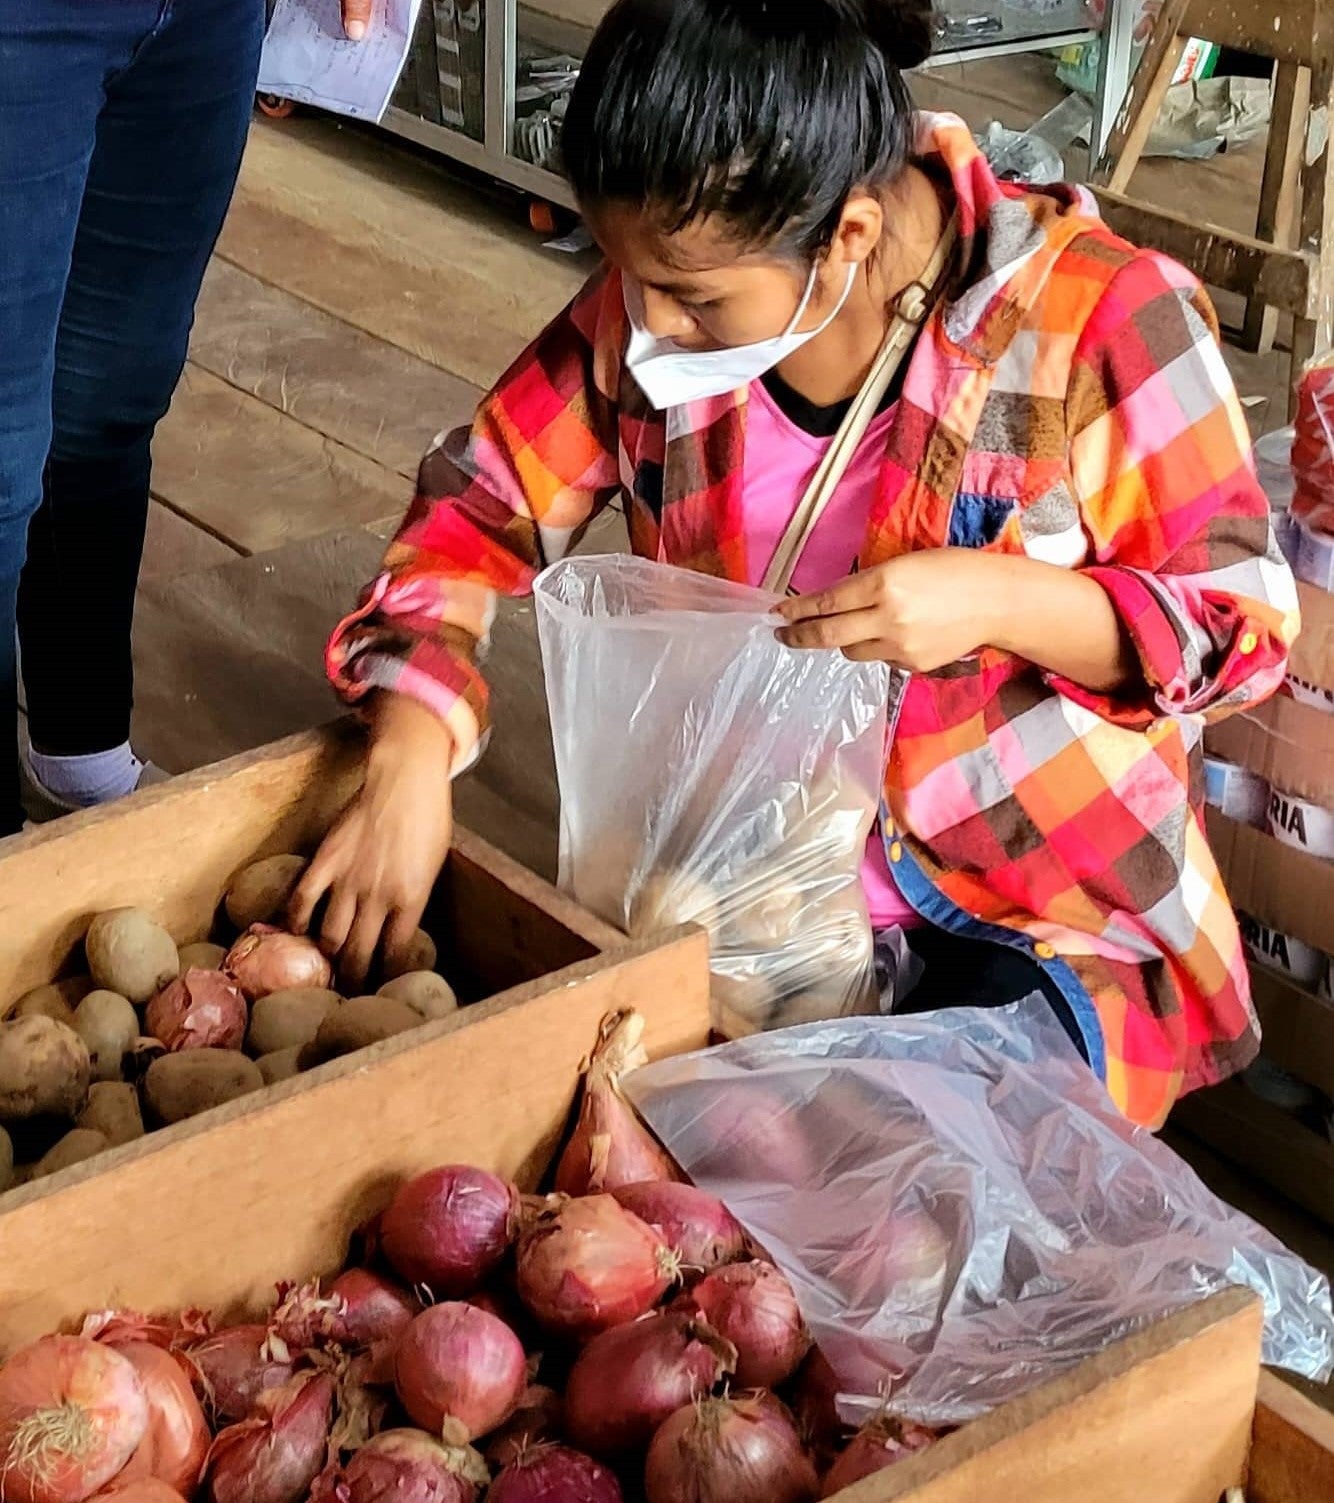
x=1278, y=218
x=1144, y=98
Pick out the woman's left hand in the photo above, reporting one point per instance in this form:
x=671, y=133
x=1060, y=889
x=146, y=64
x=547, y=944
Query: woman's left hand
x=919, y=611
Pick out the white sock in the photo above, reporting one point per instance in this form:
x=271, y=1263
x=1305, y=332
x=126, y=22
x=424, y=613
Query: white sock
x=96, y=778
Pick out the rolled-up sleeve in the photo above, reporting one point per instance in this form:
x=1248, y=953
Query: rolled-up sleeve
x=1181, y=538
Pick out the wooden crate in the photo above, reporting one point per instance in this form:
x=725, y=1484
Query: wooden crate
x=171, y=850
x=213, y=1211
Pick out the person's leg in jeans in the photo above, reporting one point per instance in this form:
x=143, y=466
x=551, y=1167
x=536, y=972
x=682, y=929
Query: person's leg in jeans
x=163, y=166
x=54, y=58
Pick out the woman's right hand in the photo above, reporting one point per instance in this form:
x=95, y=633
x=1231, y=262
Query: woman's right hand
x=378, y=864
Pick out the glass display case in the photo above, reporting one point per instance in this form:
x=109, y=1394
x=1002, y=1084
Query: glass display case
x=487, y=81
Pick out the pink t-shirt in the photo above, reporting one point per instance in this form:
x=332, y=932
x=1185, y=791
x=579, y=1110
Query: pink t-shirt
x=780, y=459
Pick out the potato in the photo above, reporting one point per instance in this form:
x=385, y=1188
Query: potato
x=765, y=920
x=44, y=1069
x=260, y=893
x=45, y=1002
x=77, y=1145
x=354, y=1025
x=282, y=1064
x=130, y=954
x=420, y=955
x=182, y=1085
x=6, y=1161
x=286, y=1020
x=109, y=1026
x=424, y=992
x=669, y=898
x=202, y=956
x=113, y=1110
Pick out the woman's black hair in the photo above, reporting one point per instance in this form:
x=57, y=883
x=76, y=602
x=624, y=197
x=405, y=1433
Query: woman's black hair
x=766, y=113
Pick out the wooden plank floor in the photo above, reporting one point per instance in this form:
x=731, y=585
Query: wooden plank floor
x=361, y=298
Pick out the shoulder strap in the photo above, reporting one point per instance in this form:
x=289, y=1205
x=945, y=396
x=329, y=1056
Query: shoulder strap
x=913, y=304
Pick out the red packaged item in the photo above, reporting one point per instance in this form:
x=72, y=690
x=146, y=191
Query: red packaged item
x=1313, y=447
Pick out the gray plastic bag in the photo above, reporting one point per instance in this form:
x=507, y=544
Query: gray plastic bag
x=961, y=1209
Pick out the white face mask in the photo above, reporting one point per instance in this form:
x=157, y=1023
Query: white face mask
x=670, y=376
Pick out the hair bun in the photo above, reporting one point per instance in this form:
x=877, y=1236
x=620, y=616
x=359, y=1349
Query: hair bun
x=904, y=30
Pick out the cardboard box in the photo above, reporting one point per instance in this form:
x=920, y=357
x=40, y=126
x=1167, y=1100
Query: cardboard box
x=1284, y=888
x=1290, y=745
x=1312, y=657
x=1298, y=1028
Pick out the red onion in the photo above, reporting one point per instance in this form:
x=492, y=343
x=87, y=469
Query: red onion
x=880, y=1442
x=610, y=1146
x=359, y=1309
x=628, y=1380
x=276, y=1455
x=175, y=1444
x=587, y=1265
x=236, y=1367
x=72, y=1413
x=459, y=1372
x=409, y=1466
x=742, y=1450
x=697, y=1226
x=369, y=1308
x=266, y=960
x=449, y=1228
x=814, y=1405
x=200, y=1010
x=539, y=1417
x=554, y=1474
x=753, y=1306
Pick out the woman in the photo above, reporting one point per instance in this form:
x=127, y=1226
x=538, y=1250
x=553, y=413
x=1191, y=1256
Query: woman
x=121, y=129
x=1049, y=518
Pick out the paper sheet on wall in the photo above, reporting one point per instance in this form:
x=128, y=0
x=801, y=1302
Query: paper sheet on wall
x=308, y=58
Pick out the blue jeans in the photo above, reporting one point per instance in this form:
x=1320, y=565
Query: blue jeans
x=121, y=129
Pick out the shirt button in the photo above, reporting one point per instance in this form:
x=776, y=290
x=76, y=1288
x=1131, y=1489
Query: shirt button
x=896, y=852
x=1044, y=951
x=1248, y=643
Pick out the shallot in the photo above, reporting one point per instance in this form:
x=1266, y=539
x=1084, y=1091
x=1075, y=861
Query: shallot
x=627, y=1381
x=554, y=1474
x=175, y=1444
x=236, y=1367
x=274, y=1456
x=587, y=1265
x=610, y=1146
x=743, y=1450
x=697, y=1226
x=449, y=1228
x=409, y=1466
x=881, y=1442
x=459, y=1372
x=200, y=1010
x=753, y=1306
x=266, y=960
x=72, y=1413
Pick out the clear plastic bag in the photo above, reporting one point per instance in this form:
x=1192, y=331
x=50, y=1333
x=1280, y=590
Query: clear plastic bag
x=961, y=1208
x=710, y=775
x=1313, y=447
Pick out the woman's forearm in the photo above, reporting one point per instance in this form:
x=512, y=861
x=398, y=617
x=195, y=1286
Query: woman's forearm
x=1063, y=621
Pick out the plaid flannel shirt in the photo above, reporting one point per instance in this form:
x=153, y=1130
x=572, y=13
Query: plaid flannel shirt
x=1072, y=404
